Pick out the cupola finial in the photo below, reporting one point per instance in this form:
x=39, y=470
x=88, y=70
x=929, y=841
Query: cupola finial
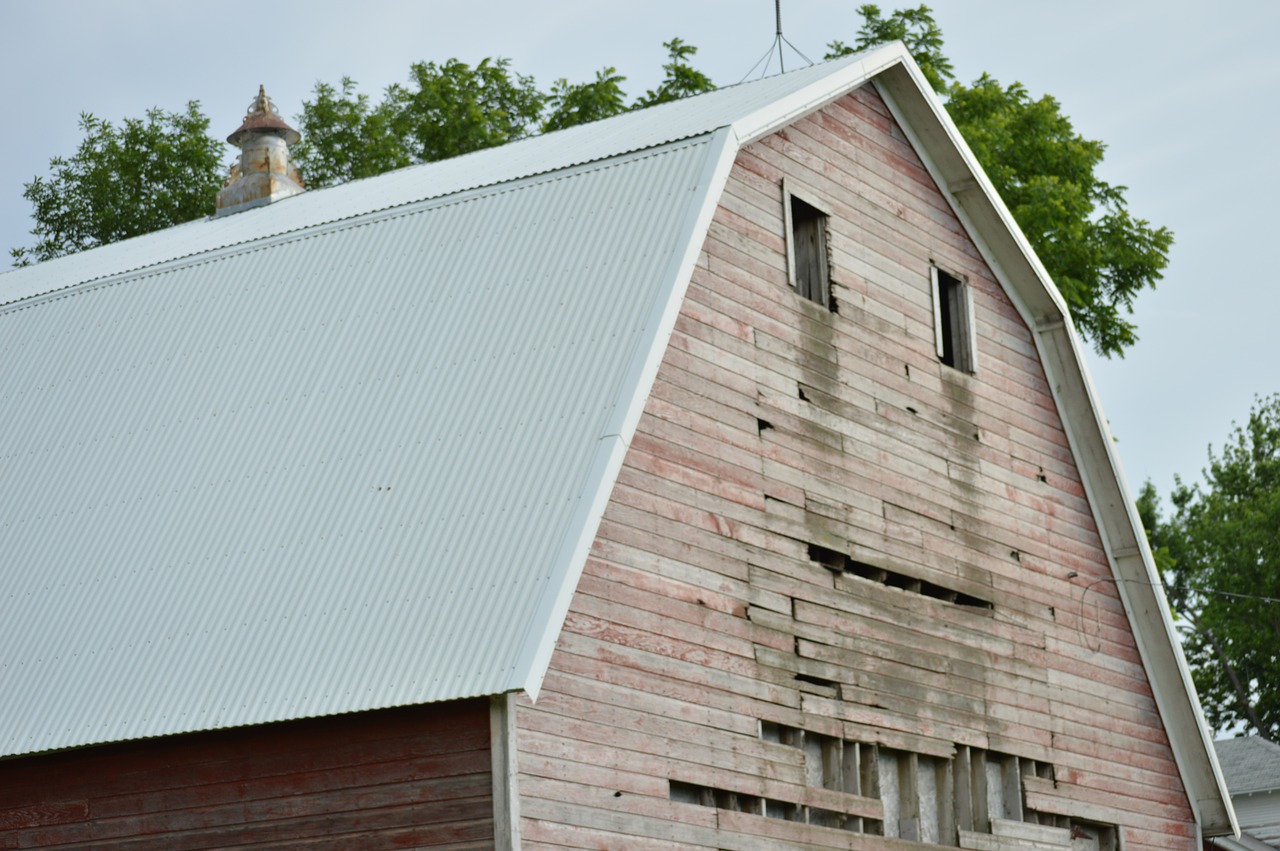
x=264, y=172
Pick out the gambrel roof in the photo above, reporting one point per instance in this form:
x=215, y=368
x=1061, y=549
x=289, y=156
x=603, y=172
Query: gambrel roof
x=349, y=451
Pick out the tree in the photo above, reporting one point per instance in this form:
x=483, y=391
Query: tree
x=1099, y=255
x=681, y=79
x=146, y=174
x=445, y=110
x=166, y=169
x=915, y=28
x=453, y=109
x=1219, y=556
x=345, y=138
x=582, y=103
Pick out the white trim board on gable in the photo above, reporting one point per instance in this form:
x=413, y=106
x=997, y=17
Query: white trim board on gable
x=364, y=383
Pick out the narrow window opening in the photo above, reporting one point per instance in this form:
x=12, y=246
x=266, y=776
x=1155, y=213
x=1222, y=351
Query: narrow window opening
x=953, y=321
x=810, y=275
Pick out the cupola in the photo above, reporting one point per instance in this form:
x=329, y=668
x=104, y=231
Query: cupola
x=264, y=173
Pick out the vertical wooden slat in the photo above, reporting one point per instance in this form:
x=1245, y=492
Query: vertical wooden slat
x=503, y=757
x=962, y=778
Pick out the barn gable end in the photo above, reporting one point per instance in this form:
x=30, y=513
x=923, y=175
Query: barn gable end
x=840, y=585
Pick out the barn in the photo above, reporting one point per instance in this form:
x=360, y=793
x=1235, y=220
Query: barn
x=723, y=475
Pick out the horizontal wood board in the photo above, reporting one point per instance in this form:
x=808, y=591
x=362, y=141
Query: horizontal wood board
x=775, y=425
x=417, y=777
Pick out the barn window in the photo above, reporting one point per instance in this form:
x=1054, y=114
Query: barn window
x=807, y=266
x=953, y=321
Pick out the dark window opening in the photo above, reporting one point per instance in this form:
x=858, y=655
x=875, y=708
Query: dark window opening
x=811, y=276
x=953, y=321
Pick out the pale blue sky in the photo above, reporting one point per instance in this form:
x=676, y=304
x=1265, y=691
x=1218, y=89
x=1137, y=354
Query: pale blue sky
x=1182, y=92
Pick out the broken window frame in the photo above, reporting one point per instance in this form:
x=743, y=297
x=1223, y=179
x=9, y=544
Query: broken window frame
x=954, y=331
x=810, y=250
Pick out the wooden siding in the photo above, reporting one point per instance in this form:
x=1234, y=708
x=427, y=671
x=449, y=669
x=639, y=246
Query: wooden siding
x=404, y=778
x=1259, y=816
x=705, y=632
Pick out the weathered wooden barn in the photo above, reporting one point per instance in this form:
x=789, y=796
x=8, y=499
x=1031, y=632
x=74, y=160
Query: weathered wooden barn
x=721, y=475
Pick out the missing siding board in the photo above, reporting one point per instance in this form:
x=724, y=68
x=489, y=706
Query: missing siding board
x=928, y=798
x=953, y=324
x=830, y=559
x=721, y=799
x=838, y=562
x=739, y=802
x=816, y=681
x=808, y=263
x=833, y=764
x=1087, y=836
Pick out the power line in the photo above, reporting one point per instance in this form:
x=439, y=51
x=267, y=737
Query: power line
x=1162, y=587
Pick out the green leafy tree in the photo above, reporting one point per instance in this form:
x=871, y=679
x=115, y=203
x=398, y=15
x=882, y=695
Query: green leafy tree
x=153, y=173
x=453, y=109
x=345, y=138
x=1219, y=556
x=915, y=28
x=143, y=175
x=681, y=79
x=581, y=103
x=1099, y=255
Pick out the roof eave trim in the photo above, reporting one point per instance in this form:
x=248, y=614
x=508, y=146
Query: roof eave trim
x=961, y=179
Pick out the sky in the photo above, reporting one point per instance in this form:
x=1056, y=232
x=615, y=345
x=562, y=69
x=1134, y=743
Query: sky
x=1183, y=93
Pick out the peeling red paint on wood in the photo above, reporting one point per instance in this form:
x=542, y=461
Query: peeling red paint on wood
x=412, y=777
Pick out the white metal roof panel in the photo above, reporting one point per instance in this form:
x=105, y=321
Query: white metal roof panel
x=632, y=131
x=331, y=471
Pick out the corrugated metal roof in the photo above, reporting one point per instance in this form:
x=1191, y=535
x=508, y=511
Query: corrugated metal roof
x=331, y=471
x=633, y=131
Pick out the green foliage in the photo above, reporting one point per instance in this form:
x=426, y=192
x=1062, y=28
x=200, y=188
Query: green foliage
x=146, y=174
x=344, y=138
x=681, y=80
x=581, y=103
x=1099, y=255
x=453, y=109
x=1219, y=555
x=445, y=110
x=153, y=173
x=915, y=28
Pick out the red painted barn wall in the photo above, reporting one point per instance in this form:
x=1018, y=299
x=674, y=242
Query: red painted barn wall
x=704, y=633
x=416, y=777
